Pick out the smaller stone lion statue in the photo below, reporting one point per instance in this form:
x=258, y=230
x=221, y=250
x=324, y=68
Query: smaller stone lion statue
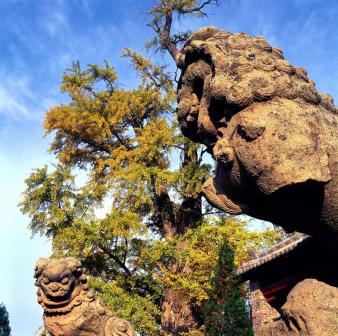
x=70, y=307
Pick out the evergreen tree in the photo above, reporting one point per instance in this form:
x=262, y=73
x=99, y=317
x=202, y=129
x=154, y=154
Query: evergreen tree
x=5, y=329
x=226, y=313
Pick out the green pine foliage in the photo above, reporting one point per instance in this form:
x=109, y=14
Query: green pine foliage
x=5, y=329
x=226, y=313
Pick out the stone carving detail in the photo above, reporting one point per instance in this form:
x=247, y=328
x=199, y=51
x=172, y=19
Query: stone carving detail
x=274, y=137
x=70, y=307
x=311, y=310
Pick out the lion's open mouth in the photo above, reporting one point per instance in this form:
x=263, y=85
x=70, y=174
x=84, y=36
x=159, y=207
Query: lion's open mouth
x=58, y=296
x=56, y=301
x=60, y=299
x=217, y=196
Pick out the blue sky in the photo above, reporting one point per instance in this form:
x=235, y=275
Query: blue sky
x=40, y=38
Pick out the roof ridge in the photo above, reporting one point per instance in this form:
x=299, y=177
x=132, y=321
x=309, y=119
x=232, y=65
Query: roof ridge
x=273, y=252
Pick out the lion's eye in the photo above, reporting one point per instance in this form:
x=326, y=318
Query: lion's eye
x=250, y=133
x=46, y=281
x=64, y=281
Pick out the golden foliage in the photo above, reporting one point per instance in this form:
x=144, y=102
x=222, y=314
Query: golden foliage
x=186, y=263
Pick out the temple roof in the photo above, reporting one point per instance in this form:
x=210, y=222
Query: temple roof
x=274, y=252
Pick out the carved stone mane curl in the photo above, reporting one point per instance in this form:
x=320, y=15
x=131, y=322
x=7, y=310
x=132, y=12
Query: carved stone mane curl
x=243, y=70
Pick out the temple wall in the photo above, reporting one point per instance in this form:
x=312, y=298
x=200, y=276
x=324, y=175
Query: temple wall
x=261, y=310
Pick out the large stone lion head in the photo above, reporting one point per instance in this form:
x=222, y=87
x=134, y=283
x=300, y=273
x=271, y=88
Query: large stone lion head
x=274, y=137
x=61, y=284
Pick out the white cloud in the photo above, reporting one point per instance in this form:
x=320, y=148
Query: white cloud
x=86, y=8
x=17, y=99
x=11, y=106
x=55, y=22
x=23, y=99
x=54, y=18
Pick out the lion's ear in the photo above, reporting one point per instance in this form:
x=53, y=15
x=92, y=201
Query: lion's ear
x=72, y=263
x=40, y=266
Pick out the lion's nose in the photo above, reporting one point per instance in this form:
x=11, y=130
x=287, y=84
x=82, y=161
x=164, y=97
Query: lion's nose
x=223, y=151
x=54, y=287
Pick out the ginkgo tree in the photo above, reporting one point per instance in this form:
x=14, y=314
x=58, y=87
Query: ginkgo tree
x=152, y=254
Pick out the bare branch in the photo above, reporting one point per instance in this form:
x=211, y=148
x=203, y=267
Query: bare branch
x=203, y=151
x=120, y=139
x=166, y=40
x=115, y=258
x=199, y=8
x=162, y=22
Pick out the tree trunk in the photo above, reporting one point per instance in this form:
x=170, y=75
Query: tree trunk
x=177, y=314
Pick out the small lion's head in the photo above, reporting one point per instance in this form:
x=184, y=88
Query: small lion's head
x=61, y=283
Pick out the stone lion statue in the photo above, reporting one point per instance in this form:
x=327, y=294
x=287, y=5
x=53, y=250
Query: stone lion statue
x=70, y=307
x=274, y=137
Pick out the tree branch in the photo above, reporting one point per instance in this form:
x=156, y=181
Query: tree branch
x=166, y=40
x=203, y=151
x=164, y=12
x=120, y=139
x=115, y=258
x=199, y=8
x=163, y=210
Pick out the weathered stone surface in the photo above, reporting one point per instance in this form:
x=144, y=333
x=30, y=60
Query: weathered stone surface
x=70, y=307
x=311, y=310
x=275, y=138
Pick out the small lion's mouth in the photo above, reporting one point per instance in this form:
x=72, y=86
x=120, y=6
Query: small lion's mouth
x=57, y=300
x=58, y=295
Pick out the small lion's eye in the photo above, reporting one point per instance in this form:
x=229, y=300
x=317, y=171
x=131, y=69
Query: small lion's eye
x=46, y=281
x=64, y=281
